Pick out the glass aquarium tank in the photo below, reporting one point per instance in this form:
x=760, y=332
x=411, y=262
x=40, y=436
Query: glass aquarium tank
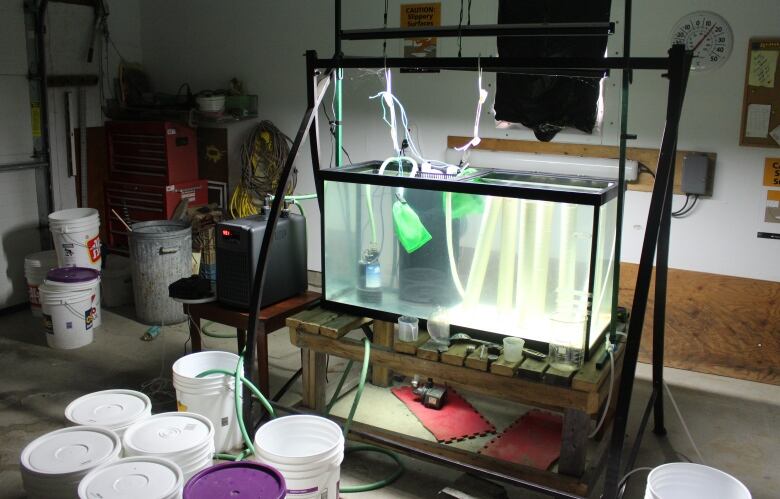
x=491, y=251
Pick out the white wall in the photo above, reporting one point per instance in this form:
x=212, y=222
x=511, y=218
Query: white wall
x=69, y=28
x=18, y=203
x=262, y=43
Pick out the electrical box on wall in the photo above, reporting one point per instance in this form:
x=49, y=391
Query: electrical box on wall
x=697, y=175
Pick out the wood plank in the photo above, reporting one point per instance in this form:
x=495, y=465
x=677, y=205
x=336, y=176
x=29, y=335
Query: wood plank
x=559, y=377
x=645, y=156
x=410, y=347
x=314, y=367
x=428, y=351
x=384, y=335
x=456, y=354
x=590, y=377
x=502, y=367
x=474, y=361
x=342, y=325
x=312, y=324
x=576, y=425
x=303, y=316
x=532, y=369
x=513, y=389
x=715, y=324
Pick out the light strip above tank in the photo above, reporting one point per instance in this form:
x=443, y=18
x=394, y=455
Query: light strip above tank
x=546, y=163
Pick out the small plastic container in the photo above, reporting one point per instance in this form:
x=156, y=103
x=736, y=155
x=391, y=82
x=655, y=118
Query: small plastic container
x=407, y=328
x=513, y=349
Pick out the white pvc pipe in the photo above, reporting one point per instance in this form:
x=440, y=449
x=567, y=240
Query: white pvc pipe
x=482, y=252
x=540, y=258
x=506, y=264
x=524, y=244
x=566, y=256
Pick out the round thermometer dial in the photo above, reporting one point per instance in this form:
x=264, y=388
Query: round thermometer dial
x=708, y=35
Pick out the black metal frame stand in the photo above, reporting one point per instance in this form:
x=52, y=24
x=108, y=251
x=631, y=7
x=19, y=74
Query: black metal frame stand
x=656, y=238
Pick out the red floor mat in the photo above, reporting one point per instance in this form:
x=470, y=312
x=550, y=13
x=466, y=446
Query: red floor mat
x=533, y=440
x=457, y=420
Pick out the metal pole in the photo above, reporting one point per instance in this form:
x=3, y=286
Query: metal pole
x=273, y=216
x=679, y=66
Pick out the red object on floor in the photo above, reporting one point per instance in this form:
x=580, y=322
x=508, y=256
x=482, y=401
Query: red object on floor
x=533, y=440
x=457, y=420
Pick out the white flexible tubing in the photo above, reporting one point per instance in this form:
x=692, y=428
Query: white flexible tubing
x=450, y=249
x=685, y=426
x=609, y=394
x=399, y=159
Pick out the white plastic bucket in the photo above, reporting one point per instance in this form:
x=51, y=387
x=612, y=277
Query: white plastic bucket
x=68, y=317
x=76, y=234
x=112, y=409
x=53, y=465
x=134, y=477
x=307, y=450
x=71, y=279
x=693, y=481
x=185, y=438
x=116, y=282
x=212, y=396
x=36, y=265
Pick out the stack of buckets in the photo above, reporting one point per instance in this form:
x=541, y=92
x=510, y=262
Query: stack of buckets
x=69, y=296
x=211, y=396
x=183, y=438
x=114, y=410
x=54, y=464
x=134, y=477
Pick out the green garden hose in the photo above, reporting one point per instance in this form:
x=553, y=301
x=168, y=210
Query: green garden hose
x=241, y=381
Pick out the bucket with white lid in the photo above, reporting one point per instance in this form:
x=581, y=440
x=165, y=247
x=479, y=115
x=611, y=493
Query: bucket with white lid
x=185, y=438
x=134, y=477
x=693, y=481
x=53, y=465
x=212, y=396
x=36, y=265
x=68, y=317
x=78, y=279
x=112, y=409
x=76, y=235
x=307, y=450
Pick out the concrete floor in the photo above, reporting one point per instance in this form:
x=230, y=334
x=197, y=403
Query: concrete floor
x=733, y=422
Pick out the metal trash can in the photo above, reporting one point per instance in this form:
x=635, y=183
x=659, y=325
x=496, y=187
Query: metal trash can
x=160, y=254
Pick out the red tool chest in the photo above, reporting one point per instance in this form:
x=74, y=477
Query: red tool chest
x=139, y=203
x=151, y=152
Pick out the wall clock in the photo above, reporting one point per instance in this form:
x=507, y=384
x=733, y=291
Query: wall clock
x=708, y=35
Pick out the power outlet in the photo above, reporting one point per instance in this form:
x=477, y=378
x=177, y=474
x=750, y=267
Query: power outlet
x=697, y=175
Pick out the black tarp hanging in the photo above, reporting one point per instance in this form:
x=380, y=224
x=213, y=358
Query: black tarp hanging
x=547, y=104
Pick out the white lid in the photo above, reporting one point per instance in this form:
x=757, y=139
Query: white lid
x=70, y=450
x=133, y=477
x=168, y=433
x=109, y=408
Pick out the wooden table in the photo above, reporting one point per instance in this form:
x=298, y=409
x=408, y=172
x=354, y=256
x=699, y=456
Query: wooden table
x=580, y=396
x=271, y=318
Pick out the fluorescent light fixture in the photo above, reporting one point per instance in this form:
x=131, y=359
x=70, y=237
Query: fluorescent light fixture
x=546, y=163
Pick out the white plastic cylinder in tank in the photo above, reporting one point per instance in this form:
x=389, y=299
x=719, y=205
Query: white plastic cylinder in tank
x=92, y=286
x=65, y=317
x=76, y=235
x=36, y=265
x=693, y=481
x=134, y=477
x=212, y=396
x=115, y=410
x=307, y=450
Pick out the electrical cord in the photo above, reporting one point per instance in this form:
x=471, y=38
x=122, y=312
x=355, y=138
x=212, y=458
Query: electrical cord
x=646, y=169
x=622, y=483
x=685, y=210
x=682, y=421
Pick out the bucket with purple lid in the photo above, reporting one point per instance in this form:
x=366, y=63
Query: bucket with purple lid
x=246, y=479
x=77, y=279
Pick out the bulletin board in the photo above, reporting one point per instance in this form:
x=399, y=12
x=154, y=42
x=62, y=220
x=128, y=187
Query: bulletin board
x=761, y=104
